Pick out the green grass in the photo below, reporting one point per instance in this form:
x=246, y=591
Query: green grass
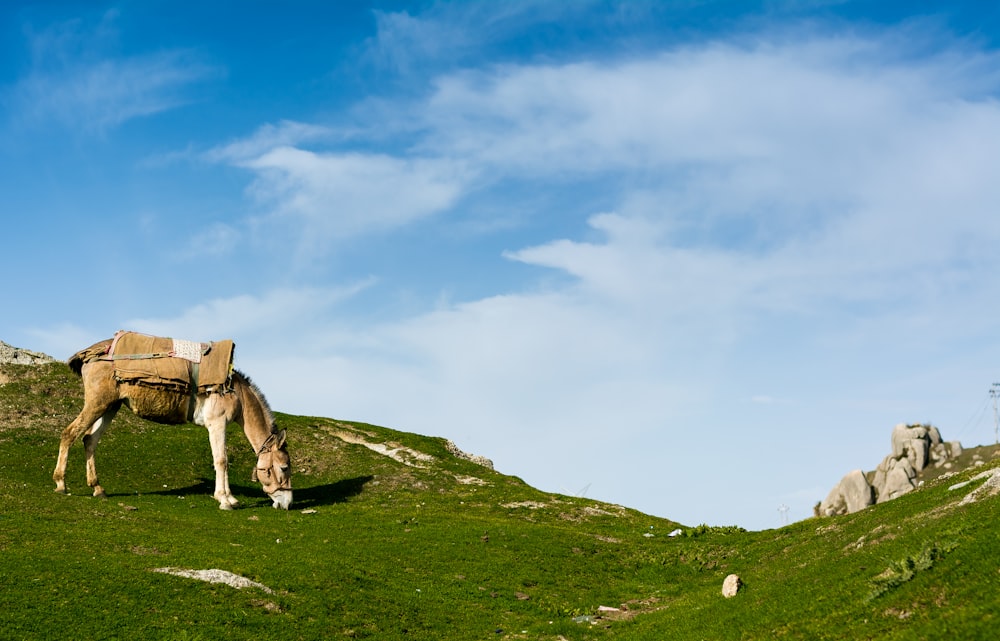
x=399, y=552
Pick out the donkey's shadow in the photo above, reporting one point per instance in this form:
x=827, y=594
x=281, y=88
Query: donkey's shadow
x=330, y=493
x=306, y=497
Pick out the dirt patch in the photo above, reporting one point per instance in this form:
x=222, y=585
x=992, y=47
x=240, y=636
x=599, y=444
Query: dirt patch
x=400, y=453
x=607, y=539
x=531, y=505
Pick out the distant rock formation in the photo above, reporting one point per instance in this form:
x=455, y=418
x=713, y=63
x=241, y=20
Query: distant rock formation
x=18, y=356
x=475, y=458
x=914, y=448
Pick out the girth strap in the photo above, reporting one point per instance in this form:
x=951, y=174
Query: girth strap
x=192, y=399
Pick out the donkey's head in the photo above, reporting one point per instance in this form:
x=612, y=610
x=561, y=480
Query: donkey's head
x=274, y=470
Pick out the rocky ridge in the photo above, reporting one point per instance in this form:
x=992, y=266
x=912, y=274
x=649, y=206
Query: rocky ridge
x=18, y=356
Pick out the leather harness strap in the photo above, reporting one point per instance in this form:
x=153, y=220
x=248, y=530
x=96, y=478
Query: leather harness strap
x=194, y=367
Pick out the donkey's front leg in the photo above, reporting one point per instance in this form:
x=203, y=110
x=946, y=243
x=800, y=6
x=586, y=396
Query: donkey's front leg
x=217, y=437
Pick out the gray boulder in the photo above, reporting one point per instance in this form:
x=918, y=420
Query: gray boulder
x=851, y=494
x=943, y=452
x=893, y=477
x=913, y=442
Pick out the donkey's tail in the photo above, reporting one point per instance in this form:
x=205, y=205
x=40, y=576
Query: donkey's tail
x=95, y=351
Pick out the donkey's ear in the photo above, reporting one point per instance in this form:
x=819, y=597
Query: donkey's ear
x=279, y=441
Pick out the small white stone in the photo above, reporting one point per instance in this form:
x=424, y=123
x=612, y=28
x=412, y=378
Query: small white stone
x=731, y=586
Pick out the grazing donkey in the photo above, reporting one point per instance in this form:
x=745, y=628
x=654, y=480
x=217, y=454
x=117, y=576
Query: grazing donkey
x=237, y=400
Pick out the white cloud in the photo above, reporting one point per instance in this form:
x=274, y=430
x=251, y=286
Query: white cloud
x=808, y=115
x=331, y=196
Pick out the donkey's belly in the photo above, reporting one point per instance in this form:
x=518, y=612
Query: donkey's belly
x=156, y=405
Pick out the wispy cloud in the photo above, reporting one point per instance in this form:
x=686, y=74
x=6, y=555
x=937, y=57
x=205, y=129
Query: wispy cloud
x=327, y=196
x=79, y=82
x=454, y=33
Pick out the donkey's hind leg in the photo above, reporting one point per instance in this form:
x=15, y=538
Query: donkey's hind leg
x=89, y=416
x=90, y=442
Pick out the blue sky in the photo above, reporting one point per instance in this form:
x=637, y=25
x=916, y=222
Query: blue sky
x=696, y=258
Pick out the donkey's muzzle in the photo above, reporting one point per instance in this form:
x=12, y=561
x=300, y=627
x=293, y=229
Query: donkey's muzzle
x=282, y=499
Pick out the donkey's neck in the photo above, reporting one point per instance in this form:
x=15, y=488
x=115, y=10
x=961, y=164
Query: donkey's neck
x=256, y=417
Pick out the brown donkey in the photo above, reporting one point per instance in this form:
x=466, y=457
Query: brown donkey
x=238, y=402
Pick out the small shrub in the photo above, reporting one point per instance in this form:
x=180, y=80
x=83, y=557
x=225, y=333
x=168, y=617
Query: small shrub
x=713, y=529
x=899, y=572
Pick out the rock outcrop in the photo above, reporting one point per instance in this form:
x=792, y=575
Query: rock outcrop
x=18, y=356
x=474, y=458
x=914, y=448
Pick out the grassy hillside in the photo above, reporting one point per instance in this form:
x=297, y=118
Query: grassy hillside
x=428, y=545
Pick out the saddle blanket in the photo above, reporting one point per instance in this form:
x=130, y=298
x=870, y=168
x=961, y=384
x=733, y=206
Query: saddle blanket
x=169, y=363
